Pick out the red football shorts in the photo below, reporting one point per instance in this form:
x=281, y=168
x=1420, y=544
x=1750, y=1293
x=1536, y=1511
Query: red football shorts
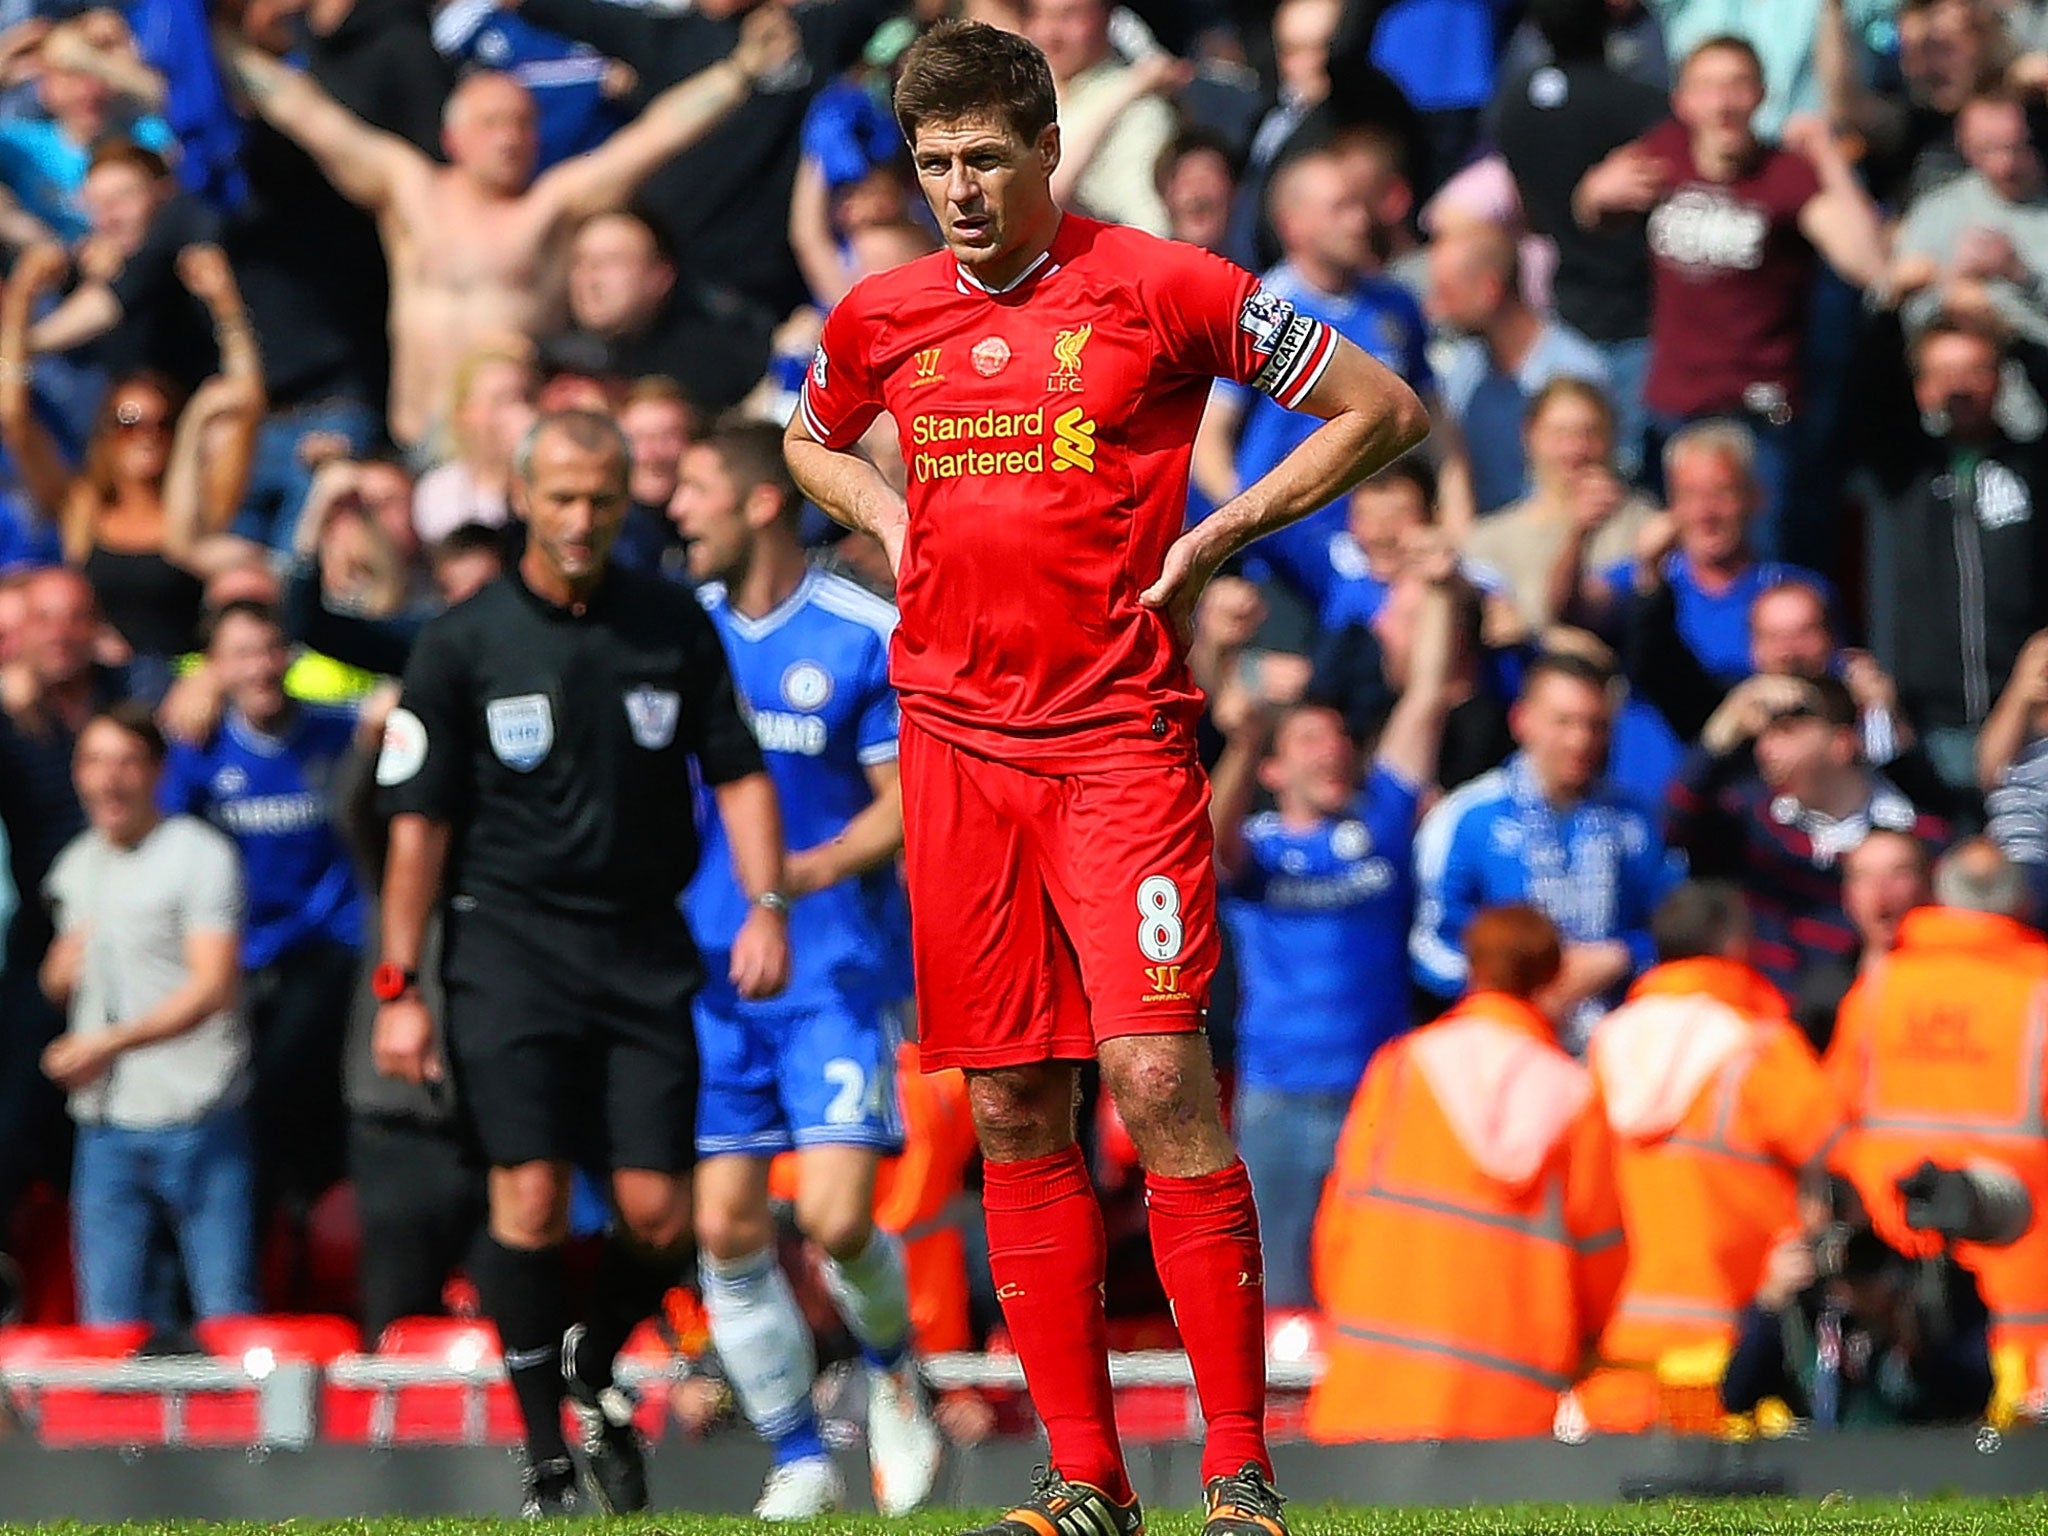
x=1051, y=912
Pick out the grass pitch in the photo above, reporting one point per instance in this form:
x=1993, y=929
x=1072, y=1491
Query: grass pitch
x=1925, y=1517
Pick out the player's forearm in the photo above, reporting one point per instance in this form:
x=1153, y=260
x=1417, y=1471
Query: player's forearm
x=845, y=486
x=869, y=841
x=1348, y=447
x=753, y=831
x=412, y=885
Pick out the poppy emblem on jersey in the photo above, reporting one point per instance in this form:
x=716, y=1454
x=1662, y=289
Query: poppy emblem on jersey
x=1066, y=356
x=404, y=752
x=806, y=686
x=990, y=356
x=652, y=712
x=521, y=730
x=927, y=364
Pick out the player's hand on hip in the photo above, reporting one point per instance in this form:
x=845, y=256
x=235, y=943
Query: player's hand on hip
x=402, y=1044
x=760, y=955
x=1189, y=565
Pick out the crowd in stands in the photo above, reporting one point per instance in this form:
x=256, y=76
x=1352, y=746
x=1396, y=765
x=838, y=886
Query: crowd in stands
x=1673, y=724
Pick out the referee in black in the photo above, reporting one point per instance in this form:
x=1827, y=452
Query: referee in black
x=538, y=773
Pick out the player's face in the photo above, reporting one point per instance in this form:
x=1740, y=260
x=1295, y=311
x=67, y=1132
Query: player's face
x=115, y=779
x=1711, y=501
x=1788, y=634
x=707, y=513
x=573, y=506
x=990, y=191
x=1316, y=763
x=250, y=658
x=1563, y=726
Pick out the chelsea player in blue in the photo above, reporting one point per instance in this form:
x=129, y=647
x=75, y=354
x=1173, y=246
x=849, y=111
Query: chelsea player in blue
x=811, y=1069
x=263, y=780
x=1318, y=896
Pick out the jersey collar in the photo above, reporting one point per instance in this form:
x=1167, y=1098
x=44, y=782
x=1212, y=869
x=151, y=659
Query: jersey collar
x=1046, y=264
x=774, y=618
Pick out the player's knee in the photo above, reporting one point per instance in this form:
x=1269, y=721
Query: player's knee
x=840, y=1227
x=1023, y=1112
x=728, y=1232
x=656, y=1215
x=529, y=1205
x=1166, y=1097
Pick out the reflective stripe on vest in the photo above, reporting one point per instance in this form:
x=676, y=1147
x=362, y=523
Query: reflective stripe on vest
x=2024, y=1124
x=1444, y=1349
x=1675, y=1309
x=1719, y=1142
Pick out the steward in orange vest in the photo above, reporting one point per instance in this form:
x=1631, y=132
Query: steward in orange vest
x=1717, y=1104
x=1469, y=1246
x=1940, y=1052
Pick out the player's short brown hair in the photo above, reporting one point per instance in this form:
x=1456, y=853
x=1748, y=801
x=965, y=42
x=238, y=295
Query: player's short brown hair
x=962, y=70
x=751, y=454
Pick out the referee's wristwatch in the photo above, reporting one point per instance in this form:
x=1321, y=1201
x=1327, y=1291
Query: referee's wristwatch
x=389, y=983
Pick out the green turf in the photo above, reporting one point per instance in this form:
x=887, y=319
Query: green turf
x=1925, y=1517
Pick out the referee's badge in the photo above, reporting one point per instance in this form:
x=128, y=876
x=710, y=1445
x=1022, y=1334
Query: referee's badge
x=522, y=730
x=652, y=713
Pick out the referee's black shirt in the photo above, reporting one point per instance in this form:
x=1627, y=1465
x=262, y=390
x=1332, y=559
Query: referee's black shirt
x=556, y=742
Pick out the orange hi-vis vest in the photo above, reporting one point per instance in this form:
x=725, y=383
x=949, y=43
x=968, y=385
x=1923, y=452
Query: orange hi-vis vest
x=1941, y=1052
x=1469, y=1246
x=1716, y=1102
x=918, y=1197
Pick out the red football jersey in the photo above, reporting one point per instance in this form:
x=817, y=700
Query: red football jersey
x=1047, y=430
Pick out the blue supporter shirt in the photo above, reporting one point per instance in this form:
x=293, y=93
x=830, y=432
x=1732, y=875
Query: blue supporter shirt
x=1383, y=319
x=1440, y=52
x=565, y=79
x=1715, y=625
x=1319, y=921
x=814, y=679
x=270, y=794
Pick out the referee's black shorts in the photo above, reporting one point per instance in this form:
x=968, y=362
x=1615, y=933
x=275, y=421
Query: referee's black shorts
x=570, y=1037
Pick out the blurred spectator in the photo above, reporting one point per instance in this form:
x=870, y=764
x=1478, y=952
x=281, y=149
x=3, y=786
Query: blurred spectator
x=1557, y=122
x=1197, y=181
x=1940, y=1055
x=2012, y=767
x=1865, y=1342
x=1718, y=1106
x=1329, y=273
x=1949, y=50
x=578, y=94
x=1733, y=223
x=1506, y=353
x=264, y=778
x=1967, y=565
x=1884, y=877
x=475, y=245
x=1469, y=1327
x=1967, y=247
x=1703, y=551
x=43, y=160
x=626, y=306
x=1113, y=125
x=855, y=173
x=723, y=202
x=659, y=426
x=149, y=910
x=1578, y=518
x=50, y=686
x=160, y=475
x=1442, y=54
x=1318, y=896
x=1778, y=822
x=1546, y=830
x=378, y=57
x=491, y=404
x=1302, y=30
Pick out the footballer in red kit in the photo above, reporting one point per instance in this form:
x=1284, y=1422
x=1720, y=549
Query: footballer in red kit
x=1045, y=374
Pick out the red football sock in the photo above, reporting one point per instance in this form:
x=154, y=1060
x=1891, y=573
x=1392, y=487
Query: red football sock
x=1205, y=1241
x=1047, y=1251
